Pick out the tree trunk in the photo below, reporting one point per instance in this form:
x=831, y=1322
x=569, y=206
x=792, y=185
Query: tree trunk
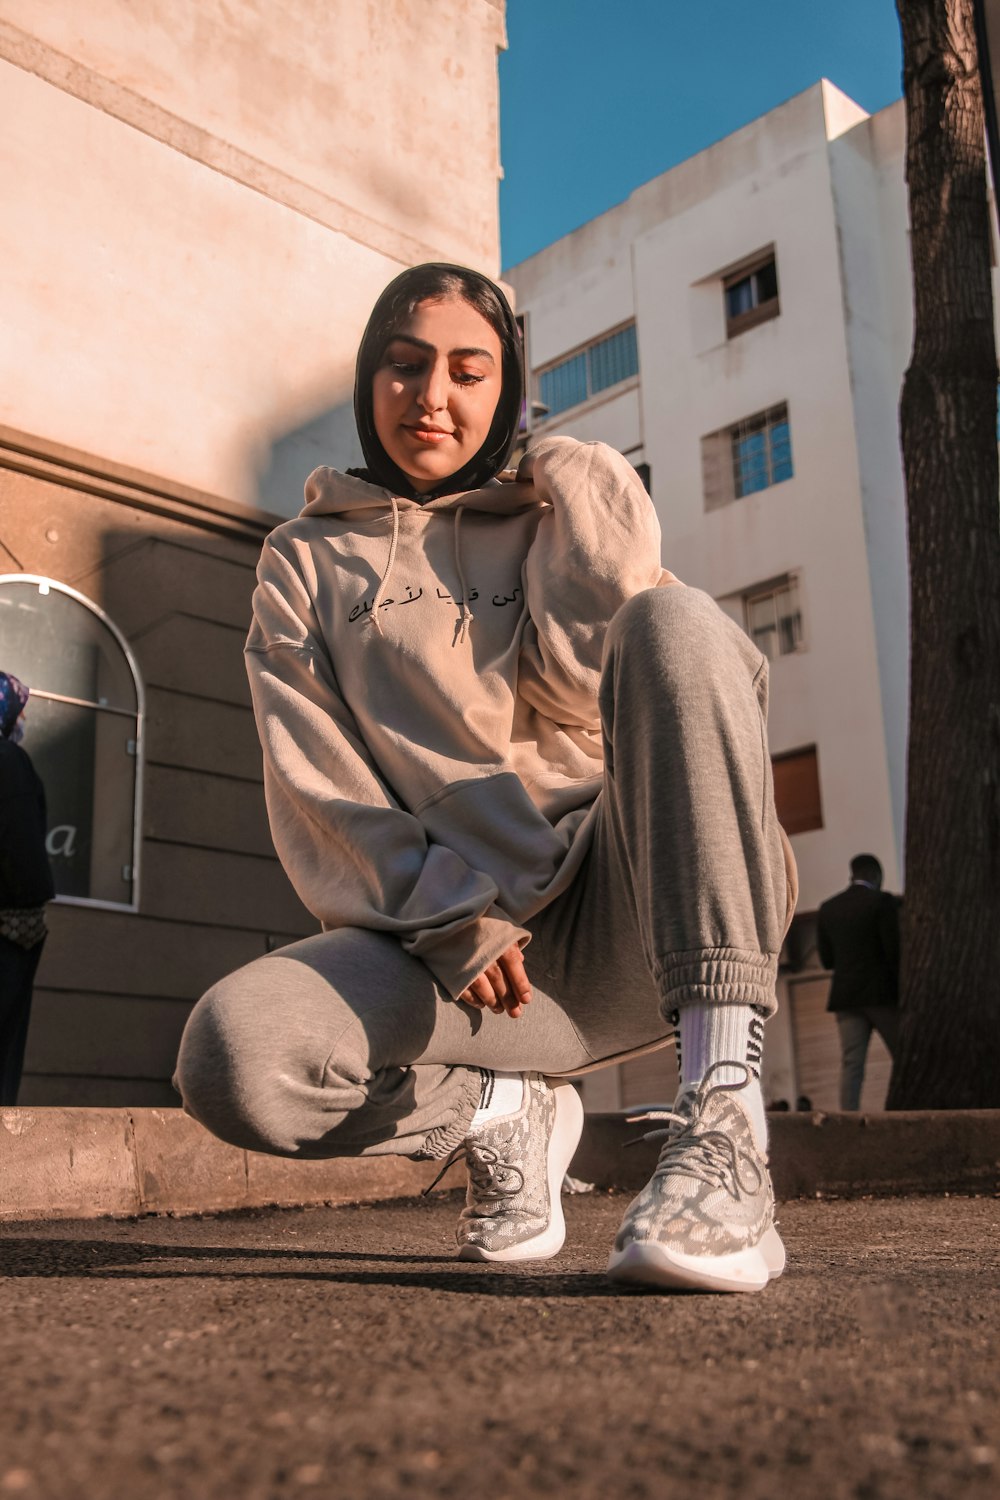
x=949, y=1054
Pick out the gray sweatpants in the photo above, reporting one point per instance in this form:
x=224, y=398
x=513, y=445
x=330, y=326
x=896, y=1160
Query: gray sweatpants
x=343, y=1044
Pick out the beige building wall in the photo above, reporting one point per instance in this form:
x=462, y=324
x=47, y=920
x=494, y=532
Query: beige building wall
x=201, y=202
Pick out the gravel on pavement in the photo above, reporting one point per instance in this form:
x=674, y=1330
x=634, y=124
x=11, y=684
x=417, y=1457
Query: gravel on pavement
x=345, y=1353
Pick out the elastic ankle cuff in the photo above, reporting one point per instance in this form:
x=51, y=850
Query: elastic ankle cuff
x=442, y=1140
x=717, y=976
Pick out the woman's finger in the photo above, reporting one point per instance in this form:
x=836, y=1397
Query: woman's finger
x=496, y=979
x=516, y=976
x=473, y=994
x=483, y=989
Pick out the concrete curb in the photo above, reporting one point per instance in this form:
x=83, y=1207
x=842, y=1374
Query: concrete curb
x=831, y=1155
x=92, y=1163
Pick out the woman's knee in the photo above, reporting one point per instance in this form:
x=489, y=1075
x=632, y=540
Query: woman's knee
x=288, y=1039
x=674, y=608
x=679, y=631
x=223, y=1075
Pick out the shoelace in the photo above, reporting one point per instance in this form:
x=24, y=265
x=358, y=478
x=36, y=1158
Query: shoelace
x=709, y=1156
x=484, y=1165
x=448, y=1163
x=486, y=1168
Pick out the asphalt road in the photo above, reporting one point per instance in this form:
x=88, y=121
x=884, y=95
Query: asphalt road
x=344, y=1353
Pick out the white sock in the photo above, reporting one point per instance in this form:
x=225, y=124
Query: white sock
x=710, y=1034
x=503, y=1094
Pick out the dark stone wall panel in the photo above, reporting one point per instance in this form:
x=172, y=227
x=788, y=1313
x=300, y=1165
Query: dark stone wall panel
x=188, y=655
x=47, y=1090
x=124, y=953
x=95, y=1035
x=226, y=890
x=201, y=735
x=189, y=807
x=174, y=572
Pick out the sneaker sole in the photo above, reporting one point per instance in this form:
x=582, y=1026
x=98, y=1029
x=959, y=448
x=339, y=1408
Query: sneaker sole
x=565, y=1138
x=649, y=1263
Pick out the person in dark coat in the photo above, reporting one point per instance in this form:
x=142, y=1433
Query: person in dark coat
x=858, y=933
x=25, y=884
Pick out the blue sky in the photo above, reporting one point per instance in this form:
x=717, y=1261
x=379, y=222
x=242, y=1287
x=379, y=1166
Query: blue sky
x=597, y=96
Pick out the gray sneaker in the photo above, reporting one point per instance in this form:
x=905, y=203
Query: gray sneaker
x=705, y=1219
x=516, y=1167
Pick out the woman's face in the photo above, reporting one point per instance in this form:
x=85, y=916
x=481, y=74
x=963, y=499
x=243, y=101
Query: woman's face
x=436, y=390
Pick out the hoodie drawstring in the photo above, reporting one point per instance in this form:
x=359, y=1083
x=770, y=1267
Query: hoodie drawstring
x=384, y=581
x=466, y=616
x=463, y=630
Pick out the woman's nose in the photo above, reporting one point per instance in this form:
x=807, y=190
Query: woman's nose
x=433, y=394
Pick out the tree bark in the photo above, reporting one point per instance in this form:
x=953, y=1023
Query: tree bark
x=949, y=1054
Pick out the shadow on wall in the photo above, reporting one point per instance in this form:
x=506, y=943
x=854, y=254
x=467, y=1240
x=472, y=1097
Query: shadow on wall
x=115, y=985
x=327, y=438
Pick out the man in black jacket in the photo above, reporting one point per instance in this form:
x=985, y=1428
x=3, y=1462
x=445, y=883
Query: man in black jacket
x=25, y=884
x=859, y=940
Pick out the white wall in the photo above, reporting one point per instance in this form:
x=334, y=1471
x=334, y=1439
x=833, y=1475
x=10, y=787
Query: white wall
x=616, y=420
x=768, y=184
x=867, y=174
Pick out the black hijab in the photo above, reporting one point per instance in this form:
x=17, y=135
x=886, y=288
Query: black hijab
x=437, y=280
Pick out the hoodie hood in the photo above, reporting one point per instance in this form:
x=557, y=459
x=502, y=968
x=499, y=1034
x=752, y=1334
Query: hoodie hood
x=351, y=497
x=415, y=285
x=354, y=500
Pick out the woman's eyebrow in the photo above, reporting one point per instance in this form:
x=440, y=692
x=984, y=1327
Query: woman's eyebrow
x=408, y=338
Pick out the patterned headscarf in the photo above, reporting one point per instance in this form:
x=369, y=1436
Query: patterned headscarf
x=13, y=697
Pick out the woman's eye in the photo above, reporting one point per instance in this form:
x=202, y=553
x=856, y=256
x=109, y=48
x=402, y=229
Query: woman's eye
x=466, y=377
x=403, y=367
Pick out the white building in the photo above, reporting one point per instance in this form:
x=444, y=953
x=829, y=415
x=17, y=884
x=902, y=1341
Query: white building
x=741, y=325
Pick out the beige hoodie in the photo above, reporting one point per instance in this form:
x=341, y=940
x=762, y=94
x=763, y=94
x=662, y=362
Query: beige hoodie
x=425, y=678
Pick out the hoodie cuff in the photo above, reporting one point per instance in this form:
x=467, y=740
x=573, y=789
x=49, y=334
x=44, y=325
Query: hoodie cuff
x=457, y=957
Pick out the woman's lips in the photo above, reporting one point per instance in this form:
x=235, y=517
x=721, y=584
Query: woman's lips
x=430, y=435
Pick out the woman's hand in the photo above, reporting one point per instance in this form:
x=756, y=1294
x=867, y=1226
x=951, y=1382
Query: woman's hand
x=526, y=469
x=503, y=988
x=522, y=474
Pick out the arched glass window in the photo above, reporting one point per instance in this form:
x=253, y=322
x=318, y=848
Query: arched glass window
x=84, y=734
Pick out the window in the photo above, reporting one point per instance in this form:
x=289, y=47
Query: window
x=751, y=294
x=771, y=615
x=606, y=362
x=773, y=618
x=796, y=790
x=636, y=456
x=84, y=728
x=762, y=451
x=753, y=455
